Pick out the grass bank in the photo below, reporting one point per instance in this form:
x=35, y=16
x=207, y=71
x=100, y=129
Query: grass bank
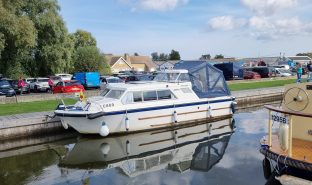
x=38, y=106
x=257, y=85
x=27, y=107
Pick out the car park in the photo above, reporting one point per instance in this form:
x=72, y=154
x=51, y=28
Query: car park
x=251, y=75
x=64, y=76
x=40, y=85
x=6, y=89
x=56, y=79
x=109, y=80
x=263, y=71
x=88, y=79
x=14, y=85
x=282, y=72
x=68, y=86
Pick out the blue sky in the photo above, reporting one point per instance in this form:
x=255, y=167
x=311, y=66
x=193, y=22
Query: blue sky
x=234, y=28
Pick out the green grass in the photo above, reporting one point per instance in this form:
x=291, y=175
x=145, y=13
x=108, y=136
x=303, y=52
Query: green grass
x=256, y=85
x=36, y=106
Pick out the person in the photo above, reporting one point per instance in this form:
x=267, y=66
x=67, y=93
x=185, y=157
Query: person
x=309, y=66
x=20, y=85
x=51, y=83
x=299, y=72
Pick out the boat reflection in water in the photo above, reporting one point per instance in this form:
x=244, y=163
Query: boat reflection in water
x=195, y=147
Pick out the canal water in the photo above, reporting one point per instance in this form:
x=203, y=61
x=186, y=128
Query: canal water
x=224, y=152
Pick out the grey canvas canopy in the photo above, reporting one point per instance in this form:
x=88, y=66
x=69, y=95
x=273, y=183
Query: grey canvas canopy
x=207, y=80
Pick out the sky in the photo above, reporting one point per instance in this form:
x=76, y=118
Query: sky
x=233, y=28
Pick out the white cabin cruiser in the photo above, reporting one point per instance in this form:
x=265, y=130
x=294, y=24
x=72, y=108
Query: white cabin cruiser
x=174, y=98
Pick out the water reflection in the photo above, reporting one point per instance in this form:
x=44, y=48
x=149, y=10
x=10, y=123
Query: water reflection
x=189, y=148
x=198, y=154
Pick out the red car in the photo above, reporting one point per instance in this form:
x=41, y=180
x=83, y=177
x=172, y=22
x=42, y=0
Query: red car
x=251, y=75
x=70, y=86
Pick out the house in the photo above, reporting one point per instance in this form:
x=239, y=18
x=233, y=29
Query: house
x=129, y=63
x=303, y=60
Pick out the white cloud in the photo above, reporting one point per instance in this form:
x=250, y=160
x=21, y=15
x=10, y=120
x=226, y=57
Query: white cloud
x=225, y=23
x=268, y=7
x=264, y=28
x=156, y=5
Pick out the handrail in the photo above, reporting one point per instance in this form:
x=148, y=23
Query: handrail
x=276, y=109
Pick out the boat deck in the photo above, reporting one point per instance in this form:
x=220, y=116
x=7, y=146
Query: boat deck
x=302, y=150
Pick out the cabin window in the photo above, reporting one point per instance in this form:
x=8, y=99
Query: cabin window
x=164, y=94
x=128, y=98
x=184, y=77
x=186, y=90
x=137, y=96
x=149, y=95
x=104, y=92
x=114, y=94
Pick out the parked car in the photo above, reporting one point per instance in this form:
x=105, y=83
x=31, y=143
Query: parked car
x=282, y=72
x=64, y=76
x=110, y=80
x=231, y=70
x=6, y=89
x=70, y=86
x=264, y=72
x=251, y=75
x=88, y=79
x=56, y=79
x=14, y=85
x=28, y=81
x=40, y=84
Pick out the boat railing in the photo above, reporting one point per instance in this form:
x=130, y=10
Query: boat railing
x=290, y=114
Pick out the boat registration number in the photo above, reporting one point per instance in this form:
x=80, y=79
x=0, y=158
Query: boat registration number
x=279, y=117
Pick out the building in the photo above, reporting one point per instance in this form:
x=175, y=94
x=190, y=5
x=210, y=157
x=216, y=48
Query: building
x=129, y=63
x=303, y=60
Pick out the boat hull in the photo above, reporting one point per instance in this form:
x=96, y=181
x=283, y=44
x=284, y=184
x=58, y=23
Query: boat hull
x=148, y=118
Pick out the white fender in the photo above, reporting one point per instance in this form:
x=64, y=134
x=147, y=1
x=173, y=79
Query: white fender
x=127, y=123
x=105, y=147
x=104, y=130
x=64, y=124
x=209, y=111
x=175, y=116
x=283, y=135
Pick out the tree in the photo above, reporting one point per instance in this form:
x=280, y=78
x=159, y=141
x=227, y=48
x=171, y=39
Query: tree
x=220, y=56
x=155, y=56
x=83, y=38
x=136, y=54
x=309, y=54
x=163, y=57
x=89, y=58
x=174, y=55
x=33, y=38
x=205, y=57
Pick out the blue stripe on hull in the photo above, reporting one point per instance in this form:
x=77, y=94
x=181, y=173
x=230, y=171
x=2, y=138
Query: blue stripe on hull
x=96, y=115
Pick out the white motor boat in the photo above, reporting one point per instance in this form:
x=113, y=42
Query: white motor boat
x=174, y=98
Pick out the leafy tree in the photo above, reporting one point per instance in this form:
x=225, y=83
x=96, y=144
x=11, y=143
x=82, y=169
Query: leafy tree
x=136, y=54
x=155, y=56
x=89, y=58
x=17, y=35
x=83, y=38
x=205, y=57
x=174, y=55
x=163, y=57
x=220, y=56
x=309, y=54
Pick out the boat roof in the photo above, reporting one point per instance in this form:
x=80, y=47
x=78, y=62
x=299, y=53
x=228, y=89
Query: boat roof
x=145, y=85
x=174, y=71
